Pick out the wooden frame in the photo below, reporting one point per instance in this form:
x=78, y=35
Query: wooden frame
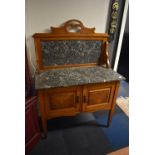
x=63, y=33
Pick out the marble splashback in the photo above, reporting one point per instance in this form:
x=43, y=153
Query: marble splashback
x=62, y=52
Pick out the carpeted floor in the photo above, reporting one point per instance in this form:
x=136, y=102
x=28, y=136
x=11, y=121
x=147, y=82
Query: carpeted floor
x=123, y=97
x=123, y=103
x=67, y=136
x=81, y=135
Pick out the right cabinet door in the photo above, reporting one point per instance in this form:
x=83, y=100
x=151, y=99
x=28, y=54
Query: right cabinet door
x=98, y=96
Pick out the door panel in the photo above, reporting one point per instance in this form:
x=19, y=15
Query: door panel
x=62, y=101
x=98, y=96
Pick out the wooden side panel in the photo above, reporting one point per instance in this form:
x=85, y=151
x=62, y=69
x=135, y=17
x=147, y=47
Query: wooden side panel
x=105, y=54
x=98, y=96
x=62, y=101
x=32, y=132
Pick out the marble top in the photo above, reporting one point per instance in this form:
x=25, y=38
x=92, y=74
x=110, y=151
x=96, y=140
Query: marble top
x=73, y=76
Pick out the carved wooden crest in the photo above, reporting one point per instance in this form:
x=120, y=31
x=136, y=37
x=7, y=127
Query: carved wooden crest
x=72, y=26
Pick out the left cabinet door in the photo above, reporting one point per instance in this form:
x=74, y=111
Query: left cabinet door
x=32, y=132
x=62, y=101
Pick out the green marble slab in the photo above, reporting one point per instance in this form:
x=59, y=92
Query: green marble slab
x=75, y=76
x=62, y=52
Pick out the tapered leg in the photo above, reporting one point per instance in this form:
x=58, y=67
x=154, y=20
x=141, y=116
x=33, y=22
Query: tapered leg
x=111, y=111
x=110, y=117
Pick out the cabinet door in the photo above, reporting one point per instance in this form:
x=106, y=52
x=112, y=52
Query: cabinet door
x=62, y=101
x=32, y=133
x=98, y=96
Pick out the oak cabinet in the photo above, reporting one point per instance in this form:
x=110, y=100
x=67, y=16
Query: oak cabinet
x=73, y=72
